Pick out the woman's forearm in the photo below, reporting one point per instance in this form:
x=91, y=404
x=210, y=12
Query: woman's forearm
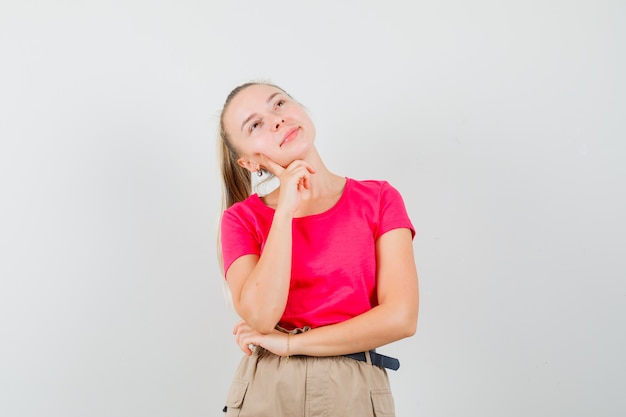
x=264, y=294
x=379, y=326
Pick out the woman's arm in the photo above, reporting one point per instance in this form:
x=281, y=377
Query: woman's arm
x=394, y=318
x=260, y=285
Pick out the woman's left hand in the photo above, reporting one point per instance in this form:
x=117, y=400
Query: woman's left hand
x=275, y=342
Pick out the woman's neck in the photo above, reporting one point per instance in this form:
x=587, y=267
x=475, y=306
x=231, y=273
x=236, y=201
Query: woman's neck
x=325, y=189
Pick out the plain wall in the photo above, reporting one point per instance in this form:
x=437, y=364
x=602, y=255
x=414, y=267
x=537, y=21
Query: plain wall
x=502, y=124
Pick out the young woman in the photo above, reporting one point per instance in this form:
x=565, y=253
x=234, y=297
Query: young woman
x=321, y=270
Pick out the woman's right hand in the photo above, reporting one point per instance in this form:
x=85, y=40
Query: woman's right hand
x=295, y=183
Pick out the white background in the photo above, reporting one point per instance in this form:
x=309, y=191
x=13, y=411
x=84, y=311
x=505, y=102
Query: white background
x=502, y=124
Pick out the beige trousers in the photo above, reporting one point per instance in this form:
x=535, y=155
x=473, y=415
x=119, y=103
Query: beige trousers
x=267, y=385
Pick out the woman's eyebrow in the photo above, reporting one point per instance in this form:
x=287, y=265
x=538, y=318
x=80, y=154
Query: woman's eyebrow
x=254, y=114
x=272, y=96
x=247, y=120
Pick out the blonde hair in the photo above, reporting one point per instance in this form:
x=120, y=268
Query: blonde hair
x=236, y=181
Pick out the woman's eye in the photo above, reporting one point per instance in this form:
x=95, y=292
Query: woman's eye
x=254, y=125
x=280, y=103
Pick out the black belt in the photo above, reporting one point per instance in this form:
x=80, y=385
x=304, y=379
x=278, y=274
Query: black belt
x=377, y=359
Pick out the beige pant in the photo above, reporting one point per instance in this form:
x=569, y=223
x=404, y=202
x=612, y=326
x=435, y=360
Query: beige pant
x=267, y=385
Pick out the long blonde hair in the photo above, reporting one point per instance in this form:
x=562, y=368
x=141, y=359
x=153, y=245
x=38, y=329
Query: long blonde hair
x=236, y=181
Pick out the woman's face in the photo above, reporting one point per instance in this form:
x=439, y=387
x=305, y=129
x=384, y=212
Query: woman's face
x=264, y=120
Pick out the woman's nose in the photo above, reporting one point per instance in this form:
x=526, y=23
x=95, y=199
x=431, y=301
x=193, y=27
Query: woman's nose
x=278, y=123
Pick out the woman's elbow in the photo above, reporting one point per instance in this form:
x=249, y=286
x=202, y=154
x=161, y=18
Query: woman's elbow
x=411, y=328
x=406, y=323
x=262, y=322
x=261, y=326
x=264, y=328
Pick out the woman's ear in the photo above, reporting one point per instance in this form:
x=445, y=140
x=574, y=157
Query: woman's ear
x=249, y=165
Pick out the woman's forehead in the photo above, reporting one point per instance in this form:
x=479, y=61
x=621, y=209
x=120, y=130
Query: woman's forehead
x=249, y=100
x=255, y=94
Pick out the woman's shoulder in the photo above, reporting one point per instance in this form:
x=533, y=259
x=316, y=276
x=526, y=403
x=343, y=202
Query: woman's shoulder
x=251, y=206
x=370, y=185
x=375, y=191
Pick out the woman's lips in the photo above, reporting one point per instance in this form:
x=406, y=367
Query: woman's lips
x=290, y=135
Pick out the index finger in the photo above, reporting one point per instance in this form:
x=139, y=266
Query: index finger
x=272, y=166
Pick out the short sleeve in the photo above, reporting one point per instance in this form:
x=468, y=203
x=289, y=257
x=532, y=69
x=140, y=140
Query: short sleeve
x=393, y=214
x=237, y=238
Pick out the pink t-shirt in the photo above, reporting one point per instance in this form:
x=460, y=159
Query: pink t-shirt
x=333, y=268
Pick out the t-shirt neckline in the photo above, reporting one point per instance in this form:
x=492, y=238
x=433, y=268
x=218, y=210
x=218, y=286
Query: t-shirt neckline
x=339, y=202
